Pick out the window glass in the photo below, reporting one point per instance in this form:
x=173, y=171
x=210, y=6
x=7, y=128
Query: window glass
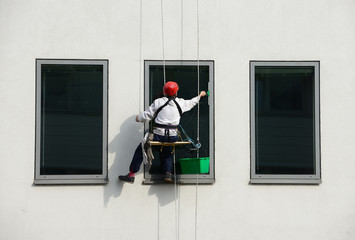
x=72, y=119
x=285, y=120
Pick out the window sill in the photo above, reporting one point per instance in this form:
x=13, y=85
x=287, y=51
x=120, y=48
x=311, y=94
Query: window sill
x=70, y=181
x=287, y=181
x=181, y=180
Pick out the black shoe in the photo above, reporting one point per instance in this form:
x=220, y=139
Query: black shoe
x=169, y=177
x=126, y=178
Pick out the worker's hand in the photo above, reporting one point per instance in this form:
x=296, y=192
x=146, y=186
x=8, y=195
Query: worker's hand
x=202, y=94
x=137, y=119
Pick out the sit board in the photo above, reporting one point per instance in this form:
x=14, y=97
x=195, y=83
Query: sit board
x=156, y=143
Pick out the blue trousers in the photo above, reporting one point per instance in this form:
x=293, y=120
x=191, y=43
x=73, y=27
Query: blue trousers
x=165, y=155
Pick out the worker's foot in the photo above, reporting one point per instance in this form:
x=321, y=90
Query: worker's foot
x=169, y=177
x=126, y=178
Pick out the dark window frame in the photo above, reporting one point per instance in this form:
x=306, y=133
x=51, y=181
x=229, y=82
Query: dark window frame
x=75, y=178
x=286, y=178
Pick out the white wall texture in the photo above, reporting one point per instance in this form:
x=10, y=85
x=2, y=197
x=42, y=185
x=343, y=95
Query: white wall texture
x=232, y=32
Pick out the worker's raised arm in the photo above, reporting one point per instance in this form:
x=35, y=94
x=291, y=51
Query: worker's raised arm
x=187, y=105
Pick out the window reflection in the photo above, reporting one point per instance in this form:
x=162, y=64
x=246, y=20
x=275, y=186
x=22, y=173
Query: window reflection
x=284, y=120
x=71, y=119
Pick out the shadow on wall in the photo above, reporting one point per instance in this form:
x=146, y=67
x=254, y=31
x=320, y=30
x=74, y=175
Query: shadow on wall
x=123, y=146
x=165, y=193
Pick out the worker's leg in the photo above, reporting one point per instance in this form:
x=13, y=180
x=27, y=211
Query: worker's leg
x=134, y=167
x=166, y=159
x=136, y=160
x=166, y=155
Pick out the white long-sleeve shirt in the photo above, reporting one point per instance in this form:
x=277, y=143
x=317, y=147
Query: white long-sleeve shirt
x=169, y=115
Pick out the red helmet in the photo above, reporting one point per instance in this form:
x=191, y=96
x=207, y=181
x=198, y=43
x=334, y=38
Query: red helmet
x=170, y=88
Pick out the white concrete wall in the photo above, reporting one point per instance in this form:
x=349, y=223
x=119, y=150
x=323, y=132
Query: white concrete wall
x=232, y=32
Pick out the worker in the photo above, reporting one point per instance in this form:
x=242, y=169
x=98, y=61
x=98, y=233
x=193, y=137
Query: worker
x=166, y=112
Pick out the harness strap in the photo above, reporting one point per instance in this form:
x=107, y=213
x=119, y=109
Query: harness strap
x=165, y=104
x=161, y=107
x=178, y=107
x=165, y=126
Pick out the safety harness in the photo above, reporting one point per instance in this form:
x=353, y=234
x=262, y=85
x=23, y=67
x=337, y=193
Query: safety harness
x=146, y=146
x=167, y=127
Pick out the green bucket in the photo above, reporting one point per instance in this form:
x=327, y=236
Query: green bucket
x=194, y=165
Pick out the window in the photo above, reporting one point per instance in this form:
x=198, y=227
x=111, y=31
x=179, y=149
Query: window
x=71, y=121
x=194, y=124
x=285, y=142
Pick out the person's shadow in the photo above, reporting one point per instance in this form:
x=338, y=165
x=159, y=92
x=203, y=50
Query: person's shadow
x=123, y=146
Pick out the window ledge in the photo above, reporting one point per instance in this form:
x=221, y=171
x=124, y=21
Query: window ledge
x=69, y=181
x=286, y=181
x=180, y=181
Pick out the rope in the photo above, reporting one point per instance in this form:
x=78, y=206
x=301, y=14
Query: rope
x=141, y=93
x=196, y=145
x=182, y=29
x=198, y=72
x=164, y=72
x=162, y=37
x=196, y=206
x=198, y=110
x=176, y=206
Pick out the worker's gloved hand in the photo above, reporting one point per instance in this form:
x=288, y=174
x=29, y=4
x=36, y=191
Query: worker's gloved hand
x=202, y=94
x=137, y=119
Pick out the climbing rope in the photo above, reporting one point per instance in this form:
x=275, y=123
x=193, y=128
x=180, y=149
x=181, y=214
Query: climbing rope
x=196, y=206
x=182, y=29
x=198, y=72
x=198, y=110
x=176, y=205
x=164, y=77
x=141, y=92
x=162, y=37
